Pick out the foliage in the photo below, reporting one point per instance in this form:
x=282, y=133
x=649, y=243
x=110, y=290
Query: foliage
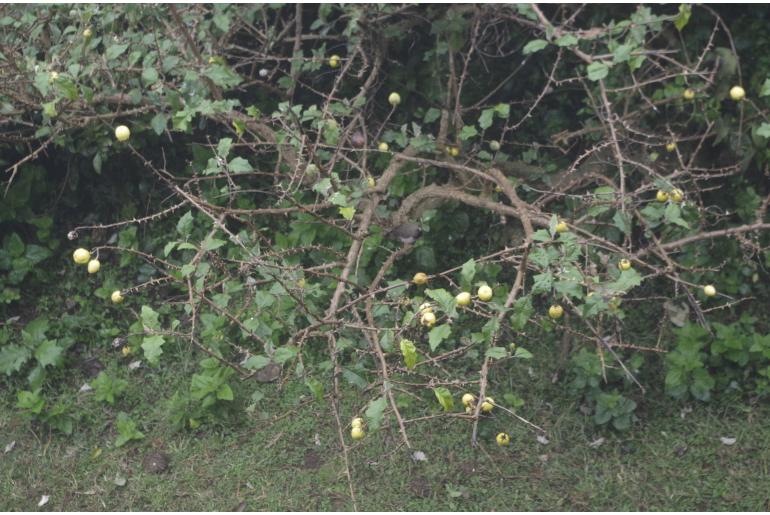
x=248, y=218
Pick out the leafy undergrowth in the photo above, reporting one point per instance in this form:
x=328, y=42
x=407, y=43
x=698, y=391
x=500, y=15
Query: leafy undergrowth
x=287, y=458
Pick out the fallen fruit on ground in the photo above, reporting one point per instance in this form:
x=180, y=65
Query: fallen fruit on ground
x=503, y=439
x=356, y=433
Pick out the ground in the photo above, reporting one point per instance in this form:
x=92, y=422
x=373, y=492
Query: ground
x=287, y=458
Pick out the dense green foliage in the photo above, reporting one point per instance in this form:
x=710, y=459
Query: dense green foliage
x=246, y=220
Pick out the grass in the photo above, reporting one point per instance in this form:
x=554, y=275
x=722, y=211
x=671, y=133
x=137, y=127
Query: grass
x=668, y=462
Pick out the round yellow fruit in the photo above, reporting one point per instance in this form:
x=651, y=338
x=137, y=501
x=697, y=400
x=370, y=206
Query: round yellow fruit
x=371, y=182
x=676, y=195
x=484, y=293
x=394, y=99
x=624, y=264
x=81, y=256
x=357, y=422
x=94, y=266
x=688, y=94
x=562, y=227
x=661, y=196
x=737, y=93
x=428, y=319
x=126, y=350
x=116, y=297
x=357, y=433
x=468, y=399
x=87, y=33
x=488, y=405
x=463, y=299
x=122, y=133
x=469, y=410
x=453, y=151
x=670, y=147
x=709, y=290
x=503, y=439
x=555, y=311
x=383, y=147
x=425, y=307
x=420, y=278
x=494, y=145
x=334, y=61
x=301, y=282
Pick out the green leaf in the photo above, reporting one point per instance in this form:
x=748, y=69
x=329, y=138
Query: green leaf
x=347, y=212
x=444, y=397
x=534, y=46
x=184, y=225
x=438, y=334
x=468, y=131
x=224, y=392
x=48, y=353
x=765, y=91
x=127, y=430
x=153, y=348
x=622, y=222
x=485, y=120
x=597, y=70
x=622, y=53
x=114, y=51
x=522, y=312
x=409, y=351
x=673, y=214
x=256, y=362
x=284, y=354
x=374, y=413
x=522, y=353
x=239, y=165
x=14, y=245
x=150, y=76
x=685, y=11
x=764, y=130
x=445, y=300
x=566, y=40
x=12, y=358
x=211, y=243
x=222, y=75
x=467, y=273
x=316, y=387
x=496, y=353
x=150, y=319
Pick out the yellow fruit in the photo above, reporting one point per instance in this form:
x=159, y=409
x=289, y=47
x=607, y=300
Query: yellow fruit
x=555, y=311
x=498, y=189
x=371, y=182
x=212, y=60
x=116, y=297
x=503, y=439
x=383, y=147
x=688, y=94
x=562, y=227
x=468, y=399
x=87, y=33
x=357, y=422
x=122, y=133
x=709, y=290
x=394, y=99
x=624, y=264
x=425, y=307
x=420, y=278
x=488, y=405
x=737, y=93
x=484, y=293
x=661, y=196
x=428, y=319
x=301, y=282
x=469, y=410
x=453, y=151
x=126, y=351
x=94, y=266
x=81, y=256
x=676, y=196
x=463, y=299
x=357, y=433
x=334, y=61
x=670, y=147
x=494, y=145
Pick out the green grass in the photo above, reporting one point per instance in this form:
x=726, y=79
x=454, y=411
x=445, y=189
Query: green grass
x=665, y=463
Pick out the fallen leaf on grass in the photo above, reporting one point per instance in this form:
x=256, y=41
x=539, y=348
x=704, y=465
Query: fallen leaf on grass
x=44, y=500
x=10, y=446
x=727, y=440
x=542, y=439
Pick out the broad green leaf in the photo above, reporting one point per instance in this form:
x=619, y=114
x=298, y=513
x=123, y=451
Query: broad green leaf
x=566, y=40
x=597, y=70
x=150, y=319
x=409, y=351
x=114, y=51
x=374, y=413
x=284, y=354
x=48, y=353
x=444, y=397
x=764, y=130
x=256, y=362
x=153, y=348
x=685, y=11
x=534, y=46
x=522, y=353
x=496, y=353
x=437, y=335
x=12, y=358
